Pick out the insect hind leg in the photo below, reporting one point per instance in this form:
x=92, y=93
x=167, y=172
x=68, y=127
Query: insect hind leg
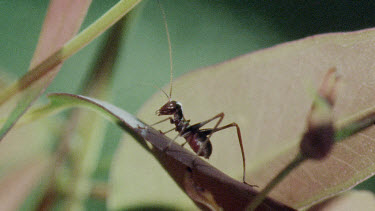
x=201, y=124
x=233, y=124
x=217, y=128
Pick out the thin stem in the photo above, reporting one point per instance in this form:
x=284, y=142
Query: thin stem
x=70, y=48
x=355, y=124
x=276, y=180
x=345, y=129
x=98, y=27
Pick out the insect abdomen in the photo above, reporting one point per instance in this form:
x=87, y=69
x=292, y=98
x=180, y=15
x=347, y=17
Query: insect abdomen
x=196, y=142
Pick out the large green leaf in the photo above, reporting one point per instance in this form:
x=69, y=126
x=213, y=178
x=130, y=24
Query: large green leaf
x=202, y=182
x=268, y=93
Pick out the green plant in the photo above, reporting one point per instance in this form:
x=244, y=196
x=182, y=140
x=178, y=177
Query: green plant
x=268, y=98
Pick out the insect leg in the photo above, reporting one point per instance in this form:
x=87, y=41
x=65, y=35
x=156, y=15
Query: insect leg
x=161, y=121
x=201, y=124
x=168, y=131
x=169, y=118
x=217, y=128
x=179, y=134
x=241, y=145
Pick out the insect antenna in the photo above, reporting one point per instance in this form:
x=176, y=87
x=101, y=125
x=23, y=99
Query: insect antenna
x=170, y=49
x=169, y=98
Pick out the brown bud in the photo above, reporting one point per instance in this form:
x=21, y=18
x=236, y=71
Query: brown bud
x=317, y=142
x=319, y=137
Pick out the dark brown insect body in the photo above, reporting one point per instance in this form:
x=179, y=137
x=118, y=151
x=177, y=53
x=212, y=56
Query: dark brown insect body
x=198, y=139
x=194, y=136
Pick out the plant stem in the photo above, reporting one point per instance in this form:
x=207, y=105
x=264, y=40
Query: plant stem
x=276, y=180
x=355, y=124
x=70, y=48
x=98, y=27
x=344, y=129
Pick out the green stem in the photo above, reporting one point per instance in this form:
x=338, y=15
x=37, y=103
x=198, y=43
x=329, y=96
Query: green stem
x=345, y=129
x=70, y=48
x=276, y=180
x=98, y=27
x=355, y=124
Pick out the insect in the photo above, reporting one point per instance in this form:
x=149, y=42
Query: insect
x=195, y=136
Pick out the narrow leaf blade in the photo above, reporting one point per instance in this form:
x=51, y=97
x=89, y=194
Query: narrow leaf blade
x=62, y=22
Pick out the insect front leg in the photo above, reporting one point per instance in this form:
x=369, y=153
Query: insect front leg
x=179, y=134
x=168, y=130
x=183, y=144
x=161, y=121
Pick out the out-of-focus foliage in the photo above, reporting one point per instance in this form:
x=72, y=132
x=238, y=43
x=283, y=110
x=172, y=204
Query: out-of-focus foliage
x=202, y=33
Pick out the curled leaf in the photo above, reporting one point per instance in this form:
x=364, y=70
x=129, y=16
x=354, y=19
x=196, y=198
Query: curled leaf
x=227, y=192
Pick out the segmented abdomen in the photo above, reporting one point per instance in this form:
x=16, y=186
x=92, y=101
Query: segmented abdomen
x=195, y=141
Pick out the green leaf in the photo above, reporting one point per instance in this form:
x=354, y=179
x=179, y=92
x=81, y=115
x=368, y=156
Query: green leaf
x=351, y=200
x=17, y=184
x=46, y=66
x=266, y=93
x=61, y=16
x=192, y=174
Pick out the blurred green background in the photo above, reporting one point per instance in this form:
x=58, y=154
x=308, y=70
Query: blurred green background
x=202, y=33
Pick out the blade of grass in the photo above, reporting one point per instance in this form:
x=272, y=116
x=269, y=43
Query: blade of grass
x=66, y=16
x=45, y=69
x=17, y=184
